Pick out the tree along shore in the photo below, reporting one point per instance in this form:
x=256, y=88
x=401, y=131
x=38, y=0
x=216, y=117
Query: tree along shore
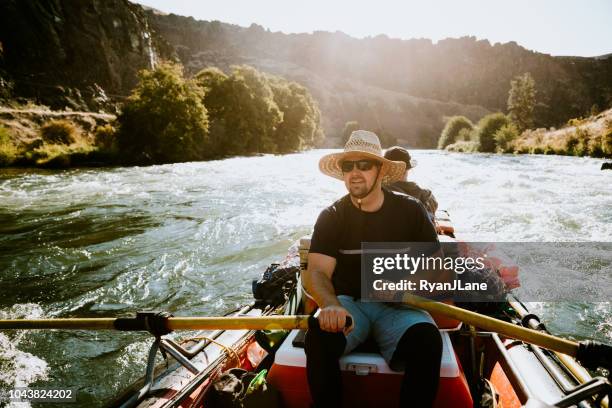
x=169, y=118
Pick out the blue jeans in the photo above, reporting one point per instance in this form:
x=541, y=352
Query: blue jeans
x=386, y=322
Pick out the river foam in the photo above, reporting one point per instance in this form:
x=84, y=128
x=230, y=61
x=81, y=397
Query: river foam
x=19, y=368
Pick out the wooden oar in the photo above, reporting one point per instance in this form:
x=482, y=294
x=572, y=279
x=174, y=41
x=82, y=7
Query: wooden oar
x=171, y=323
x=590, y=354
x=488, y=323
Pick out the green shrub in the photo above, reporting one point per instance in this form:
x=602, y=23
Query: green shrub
x=466, y=135
x=584, y=137
x=5, y=136
x=34, y=144
x=59, y=132
x=504, y=137
x=522, y=150
x=606, y=143
x=106, y=137
x=578, y=143
x=570, y=145
x=601, y=145
x=451, y=131
x=487, y=127
x=595, y=146
x=575, y=122
x=58, y=156
x=58, y=161
x=164, y=120
x=8, y=151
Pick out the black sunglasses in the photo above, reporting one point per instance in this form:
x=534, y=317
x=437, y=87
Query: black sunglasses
x=363, y=165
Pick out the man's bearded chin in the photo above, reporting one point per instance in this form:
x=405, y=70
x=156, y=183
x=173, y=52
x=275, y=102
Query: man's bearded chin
x=359, y=192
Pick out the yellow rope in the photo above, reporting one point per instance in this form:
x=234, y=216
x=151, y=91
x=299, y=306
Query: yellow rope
x=227, y=349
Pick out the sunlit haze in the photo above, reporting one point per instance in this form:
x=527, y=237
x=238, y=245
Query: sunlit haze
x=562, y=27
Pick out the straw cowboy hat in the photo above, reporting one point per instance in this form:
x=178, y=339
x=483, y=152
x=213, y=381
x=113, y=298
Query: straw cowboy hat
x=366, y=144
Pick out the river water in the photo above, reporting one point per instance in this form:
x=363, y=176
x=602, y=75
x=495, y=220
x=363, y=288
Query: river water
x=190, y=237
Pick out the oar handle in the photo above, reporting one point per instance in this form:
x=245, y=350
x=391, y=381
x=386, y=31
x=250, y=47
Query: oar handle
x=313, y=322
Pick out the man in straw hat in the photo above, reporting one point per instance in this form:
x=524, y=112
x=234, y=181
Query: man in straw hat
x=408, y=339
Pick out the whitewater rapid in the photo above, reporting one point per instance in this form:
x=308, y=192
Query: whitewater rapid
x=190, y=237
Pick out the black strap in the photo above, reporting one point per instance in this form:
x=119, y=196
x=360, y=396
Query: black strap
x=154, y=322
x=530, y=316
x=378, y=168
x=593, y=354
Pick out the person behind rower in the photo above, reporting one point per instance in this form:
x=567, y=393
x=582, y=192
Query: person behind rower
x=426, y=197
x=407, y=338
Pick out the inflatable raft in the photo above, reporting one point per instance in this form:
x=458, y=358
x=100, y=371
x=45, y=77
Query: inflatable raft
x=479, y=368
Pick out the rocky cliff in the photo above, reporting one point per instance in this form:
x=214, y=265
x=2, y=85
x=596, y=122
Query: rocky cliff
x=84, y=53
x=72, y=53
x=463, y=70
x=343, y=95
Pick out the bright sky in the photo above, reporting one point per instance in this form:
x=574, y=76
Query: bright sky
x=557, y=27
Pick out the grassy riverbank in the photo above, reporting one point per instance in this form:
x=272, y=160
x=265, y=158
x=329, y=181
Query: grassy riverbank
x=590, y=136
x=581, y=137
x=169, y=118
x=35, y=136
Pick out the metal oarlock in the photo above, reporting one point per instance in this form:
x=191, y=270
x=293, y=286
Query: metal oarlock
x=149, y=374
x=598, y=386
x=179, y=353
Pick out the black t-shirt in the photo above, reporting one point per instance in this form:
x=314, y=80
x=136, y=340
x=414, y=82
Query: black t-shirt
x=342, y=227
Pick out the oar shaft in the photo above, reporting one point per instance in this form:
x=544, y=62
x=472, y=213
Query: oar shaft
x=242, y=322
x=506, y=329
x=538, y=338
x=71, y=324
x=173, y=323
